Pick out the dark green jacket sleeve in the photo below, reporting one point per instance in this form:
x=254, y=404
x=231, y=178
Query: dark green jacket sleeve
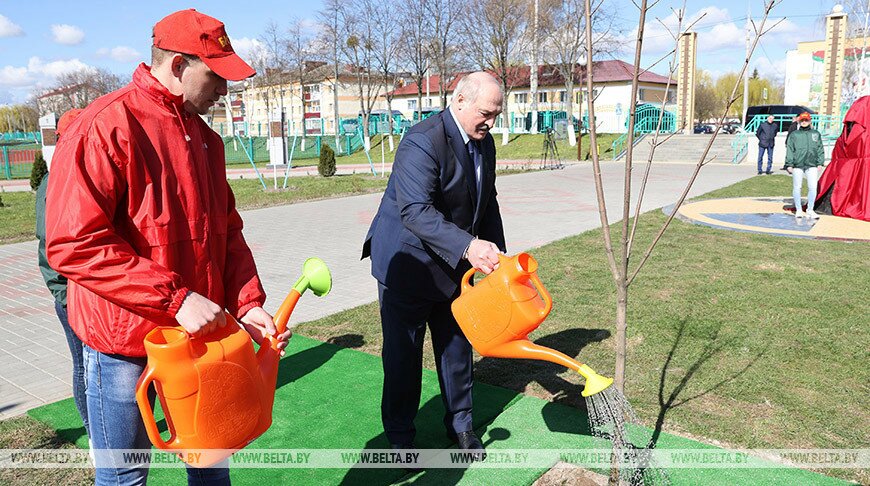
x=820, y=150
x=55, y=282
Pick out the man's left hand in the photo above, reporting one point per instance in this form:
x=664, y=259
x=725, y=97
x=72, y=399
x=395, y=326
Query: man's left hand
x=259, y=325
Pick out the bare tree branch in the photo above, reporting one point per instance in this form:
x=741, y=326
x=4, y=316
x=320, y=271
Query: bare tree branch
x=655, y=144
x=768, y=6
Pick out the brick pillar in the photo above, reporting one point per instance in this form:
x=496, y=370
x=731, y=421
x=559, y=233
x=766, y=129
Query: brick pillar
x=835, y=49
x=687, y=54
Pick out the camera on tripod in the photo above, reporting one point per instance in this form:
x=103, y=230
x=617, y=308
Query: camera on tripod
x=550, y=158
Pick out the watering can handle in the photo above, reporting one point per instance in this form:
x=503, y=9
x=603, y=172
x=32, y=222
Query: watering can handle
x=548, y=301
x=466, y=279
x=148, y=413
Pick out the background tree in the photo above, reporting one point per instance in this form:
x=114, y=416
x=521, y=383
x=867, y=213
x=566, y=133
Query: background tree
x=444, y=22
x=493, y=35
x=38, y=171
x=757, y=86
x=326, y=164
x=271, y=64
x=77, y=89
x=328, y=43
x=416, y=34
x=359, y=47
x=19, y=118
x=564, y=28
x=386, y=57
x=299, y=53
x=723, y=86
x=707, y=104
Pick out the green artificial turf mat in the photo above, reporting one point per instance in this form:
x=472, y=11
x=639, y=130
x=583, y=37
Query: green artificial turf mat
x=532, y=423
x=327, y=398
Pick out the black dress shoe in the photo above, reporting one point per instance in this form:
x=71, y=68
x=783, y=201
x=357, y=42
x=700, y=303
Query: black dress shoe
x=469, y=441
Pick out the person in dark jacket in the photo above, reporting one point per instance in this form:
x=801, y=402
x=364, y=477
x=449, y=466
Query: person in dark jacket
x=804, y=155
x=57, y=284
x=438, y=217
x=766, y=136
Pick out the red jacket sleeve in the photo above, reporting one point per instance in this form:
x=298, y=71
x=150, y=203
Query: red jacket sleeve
x=82, y=242
x=241, y=282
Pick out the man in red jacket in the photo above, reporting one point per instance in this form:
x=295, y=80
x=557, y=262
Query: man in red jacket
x=145, y=227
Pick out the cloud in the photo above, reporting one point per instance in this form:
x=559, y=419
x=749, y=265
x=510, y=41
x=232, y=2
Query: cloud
x=37, y=74
x=120, y=53
x=14, y=76
x=53, y=69
x=66, y=34
x=767, y=68
x=9, y=28
x=247, y=48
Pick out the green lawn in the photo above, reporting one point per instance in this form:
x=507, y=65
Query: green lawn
x=761, y=340
x=18, y=219
x=520, y=147
x=250, y=194
x=17, y=216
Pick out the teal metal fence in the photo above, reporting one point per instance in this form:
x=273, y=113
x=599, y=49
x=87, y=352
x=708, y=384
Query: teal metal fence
x=829, y=126
x=646, y=121
x=20, y=137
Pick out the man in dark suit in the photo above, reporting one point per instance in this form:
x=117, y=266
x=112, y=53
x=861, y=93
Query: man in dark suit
x=437, y=218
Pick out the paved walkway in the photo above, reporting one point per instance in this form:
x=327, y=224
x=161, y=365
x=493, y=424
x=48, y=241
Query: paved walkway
x=537, y=207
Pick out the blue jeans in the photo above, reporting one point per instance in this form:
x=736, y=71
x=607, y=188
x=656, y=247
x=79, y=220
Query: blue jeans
x=769, y=157
x=78, y=368
x=115, y=422
x=797, y=178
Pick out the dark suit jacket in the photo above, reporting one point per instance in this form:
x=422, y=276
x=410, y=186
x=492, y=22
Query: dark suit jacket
x=430, y=211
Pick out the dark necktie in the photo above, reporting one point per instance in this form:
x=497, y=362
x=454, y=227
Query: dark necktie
x=477, y=159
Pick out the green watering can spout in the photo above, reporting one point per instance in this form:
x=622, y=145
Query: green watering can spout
x=315, y=276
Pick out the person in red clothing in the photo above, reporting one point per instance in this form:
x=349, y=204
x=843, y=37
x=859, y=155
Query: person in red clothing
x=145, y=227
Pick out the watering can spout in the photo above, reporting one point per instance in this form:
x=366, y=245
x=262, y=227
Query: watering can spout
x=595, y=383
x=315, y=276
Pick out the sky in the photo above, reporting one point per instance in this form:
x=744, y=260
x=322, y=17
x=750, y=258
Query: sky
x=41, y=39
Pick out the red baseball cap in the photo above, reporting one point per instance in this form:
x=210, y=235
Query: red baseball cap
x=66, y=120
x=805, y=116
x=191, y=32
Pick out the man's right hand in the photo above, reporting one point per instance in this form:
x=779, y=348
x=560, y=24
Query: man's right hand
x=483, y=255
x=199, y=316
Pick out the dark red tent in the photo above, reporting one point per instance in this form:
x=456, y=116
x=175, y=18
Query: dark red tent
x=844, y=188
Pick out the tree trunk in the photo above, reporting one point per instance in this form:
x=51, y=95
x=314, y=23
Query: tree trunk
x=505, y=135
x=621, y=324
x=569, y=107
x=390, y=117
x=420, y=101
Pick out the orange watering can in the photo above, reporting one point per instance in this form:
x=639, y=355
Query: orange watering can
x=215, y=391
x=498, y=313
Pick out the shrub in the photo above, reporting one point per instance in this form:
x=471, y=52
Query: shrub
x=40, y=168
x=326, y=167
